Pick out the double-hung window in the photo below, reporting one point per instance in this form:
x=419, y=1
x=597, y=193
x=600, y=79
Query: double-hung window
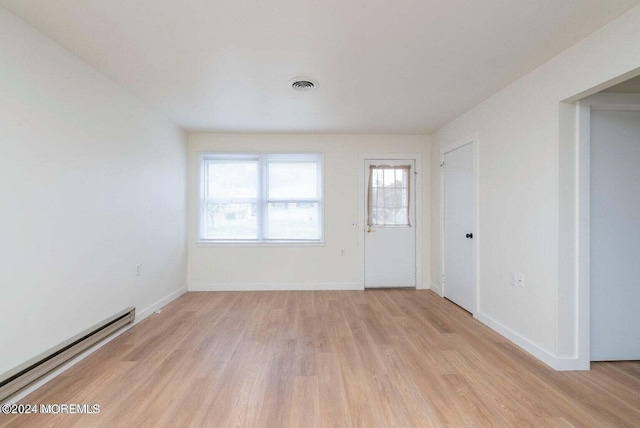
x=261, y=197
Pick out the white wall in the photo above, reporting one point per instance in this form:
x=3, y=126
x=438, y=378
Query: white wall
x=527, y=197
x=249, y=267
x=92, y=183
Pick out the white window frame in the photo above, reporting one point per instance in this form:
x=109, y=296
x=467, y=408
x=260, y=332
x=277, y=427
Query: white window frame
x=263, y=200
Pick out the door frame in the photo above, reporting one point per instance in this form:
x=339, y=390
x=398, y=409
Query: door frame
x=362, y=212
x=472, y=139
x=615, y=102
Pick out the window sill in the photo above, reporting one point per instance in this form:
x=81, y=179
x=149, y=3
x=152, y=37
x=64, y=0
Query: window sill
x=203, y=243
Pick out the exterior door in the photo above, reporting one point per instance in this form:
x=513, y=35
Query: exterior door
x=390, y=233
x=615, y=235
x=458, y=217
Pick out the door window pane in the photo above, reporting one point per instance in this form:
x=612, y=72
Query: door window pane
x=388, y=196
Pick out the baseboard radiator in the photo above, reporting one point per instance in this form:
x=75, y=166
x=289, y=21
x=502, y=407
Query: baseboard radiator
x=23, y=375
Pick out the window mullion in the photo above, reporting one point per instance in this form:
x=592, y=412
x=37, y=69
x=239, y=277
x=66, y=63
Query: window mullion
x=294, y=200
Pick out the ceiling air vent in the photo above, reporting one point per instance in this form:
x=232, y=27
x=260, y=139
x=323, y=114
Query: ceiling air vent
x=303, y=84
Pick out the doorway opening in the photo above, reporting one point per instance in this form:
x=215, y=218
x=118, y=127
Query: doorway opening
x=608, y=247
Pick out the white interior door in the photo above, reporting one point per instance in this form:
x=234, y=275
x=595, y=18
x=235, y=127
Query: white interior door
x=458, y=223
x=390, y=232
x=615, y=235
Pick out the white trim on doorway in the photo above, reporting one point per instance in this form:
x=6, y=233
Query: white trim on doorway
x=417, y=158
x=472, y=139
x=601, y=101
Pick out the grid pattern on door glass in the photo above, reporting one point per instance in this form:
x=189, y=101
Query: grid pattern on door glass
x=388, y=192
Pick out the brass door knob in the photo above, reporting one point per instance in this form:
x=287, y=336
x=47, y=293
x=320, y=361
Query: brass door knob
x=369, y=229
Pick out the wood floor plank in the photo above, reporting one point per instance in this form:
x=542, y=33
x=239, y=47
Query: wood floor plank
x=334, y=407
x=377, y=358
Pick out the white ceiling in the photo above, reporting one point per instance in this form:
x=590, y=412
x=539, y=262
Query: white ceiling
x=383, y=66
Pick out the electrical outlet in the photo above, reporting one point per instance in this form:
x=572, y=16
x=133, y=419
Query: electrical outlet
x=342, y=252
x=513, y=279
x=520, y=280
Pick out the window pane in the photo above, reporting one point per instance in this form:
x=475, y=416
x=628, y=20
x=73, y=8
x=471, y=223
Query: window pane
x=231, y=221
x=378, y=197
x=378, y=177
x=290, y=220
x=389, y=197
x=378, y=216
x=232, y=179
x=293, y=180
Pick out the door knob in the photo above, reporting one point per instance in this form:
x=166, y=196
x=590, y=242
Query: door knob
x=469, y=235
x=369, y=229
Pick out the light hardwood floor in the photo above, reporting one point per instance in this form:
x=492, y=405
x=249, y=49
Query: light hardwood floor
x=386, y=358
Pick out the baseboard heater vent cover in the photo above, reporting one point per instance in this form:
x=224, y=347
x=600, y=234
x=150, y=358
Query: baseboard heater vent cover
x=16, y=379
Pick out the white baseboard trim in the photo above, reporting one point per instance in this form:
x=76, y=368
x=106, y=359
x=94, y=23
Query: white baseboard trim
x=140, y=315
x=572, y=364
x=278, y=286
x=558, y=364
x=436, y=289
x=424, y=286
x=159, y=304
